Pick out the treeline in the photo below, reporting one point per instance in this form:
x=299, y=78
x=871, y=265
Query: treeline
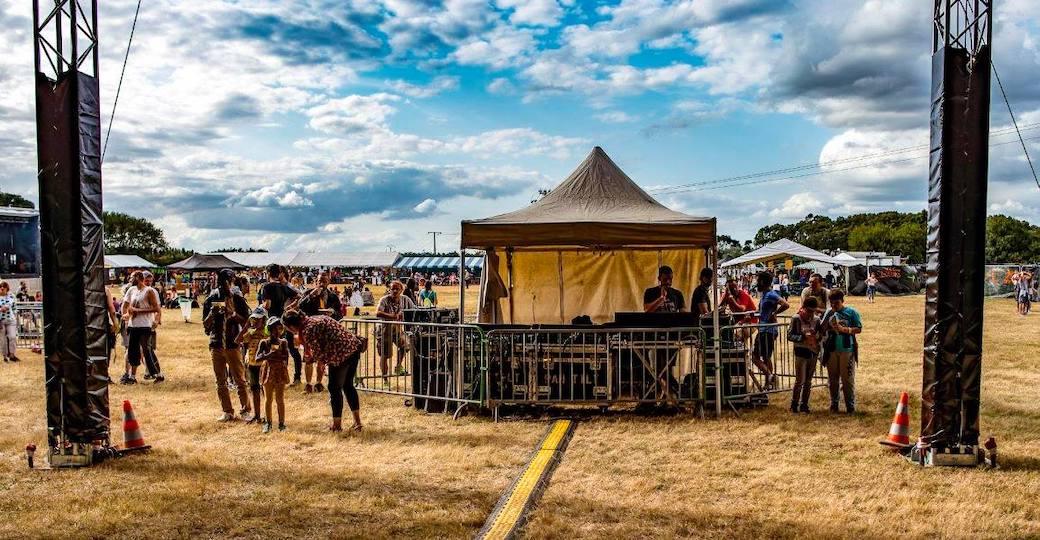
x=1008, y=240
x=130, y=235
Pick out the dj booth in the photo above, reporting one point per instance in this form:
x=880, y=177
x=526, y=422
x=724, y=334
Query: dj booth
x=665, y=358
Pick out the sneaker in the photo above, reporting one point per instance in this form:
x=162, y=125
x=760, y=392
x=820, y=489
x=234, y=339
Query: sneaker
x=794, y=408
x=308, y=389
x=125, y=379
x=267, y=427
x=834, y=408
x=131, y=380
x=15, y=359
x=804, y=409
x=318, y=387
x=159, y=378
x=6, y=360
x=850, y=409
x=295, y=382
x=226, y=417
x=281, y=427
x=149, y=377
x=244, y=413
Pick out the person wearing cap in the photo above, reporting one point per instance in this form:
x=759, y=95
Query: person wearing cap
x=273, y=354
x=252, y=334
x=663, y=298
x=223, y=314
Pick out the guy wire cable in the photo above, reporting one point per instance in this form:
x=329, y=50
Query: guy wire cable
x=1015, y=123
x=119, y=87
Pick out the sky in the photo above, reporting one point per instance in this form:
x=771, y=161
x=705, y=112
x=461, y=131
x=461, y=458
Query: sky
x=361, y=125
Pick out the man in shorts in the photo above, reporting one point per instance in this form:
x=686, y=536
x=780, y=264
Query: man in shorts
x=769, y=307
x=391, y=308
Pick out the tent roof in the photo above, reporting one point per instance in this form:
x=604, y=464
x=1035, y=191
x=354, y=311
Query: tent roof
x=597, y=205
x=127, y=261
x=782, y=249
x=472, y=262
x=375, y=259
x=200, y=262
x=259, y=260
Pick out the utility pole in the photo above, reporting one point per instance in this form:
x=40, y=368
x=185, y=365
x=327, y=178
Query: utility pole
x=434, y=233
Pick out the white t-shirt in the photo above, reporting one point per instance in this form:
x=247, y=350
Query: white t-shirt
x=139, y=299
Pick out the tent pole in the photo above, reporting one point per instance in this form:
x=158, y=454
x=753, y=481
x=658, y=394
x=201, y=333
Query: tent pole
x=717, y=331
x=462, y=284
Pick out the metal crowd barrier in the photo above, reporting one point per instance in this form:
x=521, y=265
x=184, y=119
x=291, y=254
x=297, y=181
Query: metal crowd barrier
x=29, y=316
x=746, y=351
x=594, y=366
x=437, y=365
x=433, y=364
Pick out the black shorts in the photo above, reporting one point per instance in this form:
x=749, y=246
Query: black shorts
x=764, y=345
x=253, y=373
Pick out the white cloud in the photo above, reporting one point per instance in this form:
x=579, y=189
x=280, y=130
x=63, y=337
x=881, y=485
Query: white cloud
x=438, y=85
x=518, y=141
x=533, y=12
x=353, y=113
x=616, y=117
x=797, y=206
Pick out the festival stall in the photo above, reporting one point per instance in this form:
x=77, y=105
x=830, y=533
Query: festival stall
x=590, y=247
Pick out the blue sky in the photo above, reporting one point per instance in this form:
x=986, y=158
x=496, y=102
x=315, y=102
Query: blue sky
x=358, y=125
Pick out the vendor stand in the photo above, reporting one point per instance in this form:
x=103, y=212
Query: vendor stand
x=586, y=252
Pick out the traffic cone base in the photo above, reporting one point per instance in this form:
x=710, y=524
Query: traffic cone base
x=899, y=433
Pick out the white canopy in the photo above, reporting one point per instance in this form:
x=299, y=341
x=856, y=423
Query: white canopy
x=262, y=259
x=782, y=249
x=127, y=261
x=378, y=259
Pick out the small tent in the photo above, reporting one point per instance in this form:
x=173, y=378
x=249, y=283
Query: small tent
x=589, y=247
x=206, y=263
x=127, y=261
x=782, y=249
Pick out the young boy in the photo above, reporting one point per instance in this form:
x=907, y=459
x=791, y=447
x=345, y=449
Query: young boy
x=841, y=349
x=804, y=334
x=273, y=353
x=251, y=336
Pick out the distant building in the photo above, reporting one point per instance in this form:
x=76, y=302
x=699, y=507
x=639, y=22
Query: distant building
x=19, y=242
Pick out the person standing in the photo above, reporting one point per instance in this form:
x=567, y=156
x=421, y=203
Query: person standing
x=818, y=291
x=829, y=280
x=391, y=308
x=320, y=300
x=274, y=371
x=804, y=333
x=140, y=306
x=8, y=323
x=223, y=314
x=151, y=360
x=871, y=282
x=428, y=296
x=274, y=295
x=841, y=351
x=340, y=350
x=771, y=305
x=663, y=298
x=412, y=290
x=700, y=302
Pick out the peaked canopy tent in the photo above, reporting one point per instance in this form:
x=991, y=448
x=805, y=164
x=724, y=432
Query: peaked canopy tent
x=261, y=259
x=783, y=249
x=127, y=261
x=358, y=259
x=438, y=263
x=589, y=247
x=206, y=263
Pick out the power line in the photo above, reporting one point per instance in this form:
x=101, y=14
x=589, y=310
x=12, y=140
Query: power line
x=681, y=187
x=819, y=173
x=1015, y=123
x=119, y=87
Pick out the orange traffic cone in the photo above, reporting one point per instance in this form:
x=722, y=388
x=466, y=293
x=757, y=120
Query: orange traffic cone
x=132, y=437
x=899, y=433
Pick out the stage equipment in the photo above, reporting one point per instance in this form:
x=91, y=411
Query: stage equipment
x=69, y=146
x=962, y=36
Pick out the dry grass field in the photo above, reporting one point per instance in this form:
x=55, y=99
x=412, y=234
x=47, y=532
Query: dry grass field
x=765, y=473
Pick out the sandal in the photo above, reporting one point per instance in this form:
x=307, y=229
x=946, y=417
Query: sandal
x=335, y=429
x=356, y=428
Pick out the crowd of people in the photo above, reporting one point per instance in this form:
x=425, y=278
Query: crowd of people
x=824, y=329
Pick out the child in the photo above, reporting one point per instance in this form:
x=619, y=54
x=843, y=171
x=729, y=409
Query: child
x=274, y=373
x=251, y=336
x=805, y=335
x=841, y=350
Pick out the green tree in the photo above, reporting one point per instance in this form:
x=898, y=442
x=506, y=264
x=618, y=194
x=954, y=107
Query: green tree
x=15, y=200
x=1010, y=240
x=126, y=234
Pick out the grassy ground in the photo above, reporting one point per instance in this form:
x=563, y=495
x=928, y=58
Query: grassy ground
x=765, y=473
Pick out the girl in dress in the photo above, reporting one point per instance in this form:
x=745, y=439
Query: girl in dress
x=251, y=336
x=274, y=371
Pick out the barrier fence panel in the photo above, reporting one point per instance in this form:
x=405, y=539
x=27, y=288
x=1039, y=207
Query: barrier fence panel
x=749, y=352
x=29, y=316
x=434, y=364
x=598, y=366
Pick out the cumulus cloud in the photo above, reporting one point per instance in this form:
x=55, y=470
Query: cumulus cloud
x=438, y=85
